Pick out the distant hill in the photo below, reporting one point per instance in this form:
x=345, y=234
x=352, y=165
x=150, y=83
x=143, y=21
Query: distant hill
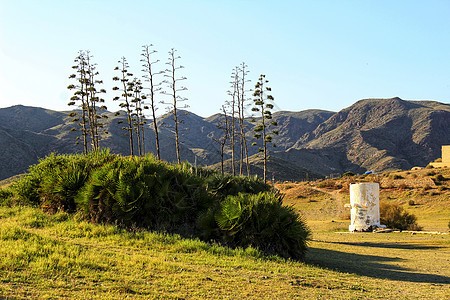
x=292, y=125
x=381, y=134
x=23, y=138
x=372, y=134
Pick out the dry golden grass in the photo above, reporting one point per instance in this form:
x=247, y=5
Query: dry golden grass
x=60, y=257
x=322, y=202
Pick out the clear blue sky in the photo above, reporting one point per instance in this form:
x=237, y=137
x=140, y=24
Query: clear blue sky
x=316, y=54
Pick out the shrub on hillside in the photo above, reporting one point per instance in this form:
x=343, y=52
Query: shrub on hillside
x=287, y=186
x=141, y=191
x=5, y=196
x=348, y=174
x=395, y=216
x=25, y=190
x=440, y=178
x=395, y=176
x=426, y=187
x=402, y=186
x=329, y=184
x=387, y=185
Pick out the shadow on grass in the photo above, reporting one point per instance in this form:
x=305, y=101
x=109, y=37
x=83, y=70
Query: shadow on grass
x=389, y=245
x=369, y=265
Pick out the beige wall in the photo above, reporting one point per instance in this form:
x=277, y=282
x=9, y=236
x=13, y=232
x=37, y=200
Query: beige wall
x=446, y=154
x=445, y=158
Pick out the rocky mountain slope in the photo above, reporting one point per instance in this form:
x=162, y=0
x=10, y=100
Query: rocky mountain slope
x=372, y=134
x=381, y=134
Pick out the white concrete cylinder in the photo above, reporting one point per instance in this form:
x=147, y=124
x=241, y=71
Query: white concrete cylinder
x=365, y=206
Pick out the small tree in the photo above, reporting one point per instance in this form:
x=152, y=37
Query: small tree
x=173, y=91
x=237, y=104
x=153, y=88
x=138, y=117
x=224, y=126
x=242, y=104
x=80, y=96
x=263, y=104
x=87, y=97
x=126, y=96
x=95, y=103
x=234, y=105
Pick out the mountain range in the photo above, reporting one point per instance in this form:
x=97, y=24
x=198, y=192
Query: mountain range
x=372, y=134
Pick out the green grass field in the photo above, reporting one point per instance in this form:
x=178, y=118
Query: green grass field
x=60, y=256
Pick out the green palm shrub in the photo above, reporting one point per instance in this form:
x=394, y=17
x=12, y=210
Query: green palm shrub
x=219, y=186
x=96, y=198
x=5, y=196
x=32, y=189
x=25, y=190
x=56, y=180
x=226, y=184
x=131, y=190
x=115, y=192
x=98, y=158
x=261, y=220
x=145, y=192
x=177, y=195
x=207, y=225
x=60, y=187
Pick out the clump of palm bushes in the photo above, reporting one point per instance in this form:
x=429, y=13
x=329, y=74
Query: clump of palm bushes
x=262, y=219
x=5, y=197
x=147, y=193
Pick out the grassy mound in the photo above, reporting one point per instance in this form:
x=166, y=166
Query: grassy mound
x=147, y=193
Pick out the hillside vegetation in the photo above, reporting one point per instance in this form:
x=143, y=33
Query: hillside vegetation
x=372, y=134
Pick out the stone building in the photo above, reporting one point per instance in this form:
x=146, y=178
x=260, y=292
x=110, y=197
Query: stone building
x=445, y=163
